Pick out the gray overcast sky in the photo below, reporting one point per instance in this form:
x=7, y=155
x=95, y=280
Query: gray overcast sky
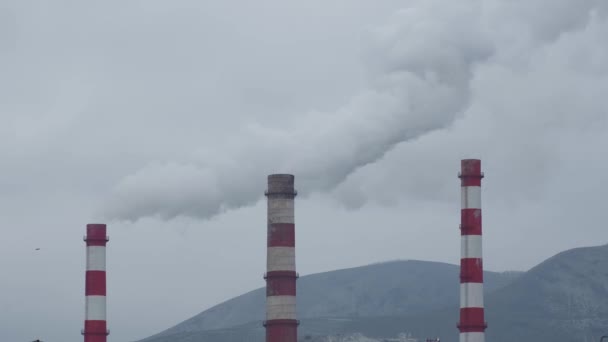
x=163, y=118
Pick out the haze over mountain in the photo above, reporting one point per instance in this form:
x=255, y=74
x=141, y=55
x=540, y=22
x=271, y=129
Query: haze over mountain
x=563, y=299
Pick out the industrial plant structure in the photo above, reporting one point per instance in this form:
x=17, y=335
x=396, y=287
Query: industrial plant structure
x=281, y=323
x=472, y=323
x=95, y=326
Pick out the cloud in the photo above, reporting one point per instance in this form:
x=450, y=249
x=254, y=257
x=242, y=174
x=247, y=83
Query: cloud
x=421, y=84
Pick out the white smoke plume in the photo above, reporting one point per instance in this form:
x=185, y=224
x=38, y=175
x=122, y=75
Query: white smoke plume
x=427, y=61
x=423, y=62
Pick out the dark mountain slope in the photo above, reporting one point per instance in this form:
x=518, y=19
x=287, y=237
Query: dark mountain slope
x=563, y=299
x=392, y=288
x=567, y=294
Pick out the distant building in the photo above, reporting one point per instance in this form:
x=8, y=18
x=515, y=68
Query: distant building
x=403, y=337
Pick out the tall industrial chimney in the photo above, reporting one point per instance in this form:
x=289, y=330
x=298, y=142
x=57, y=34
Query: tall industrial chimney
x=472, y=323
x=281, y=323
x=95, y=327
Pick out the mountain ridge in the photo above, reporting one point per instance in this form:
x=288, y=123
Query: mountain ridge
x=396, y=287
x=562, y=299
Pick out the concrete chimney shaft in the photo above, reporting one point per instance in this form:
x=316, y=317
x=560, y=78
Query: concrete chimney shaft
x=281, y=323
x=472, y=323
x=95, y=326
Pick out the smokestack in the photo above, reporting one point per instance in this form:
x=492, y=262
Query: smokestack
x=472, y=323
x=95, y=327
x=281, y=324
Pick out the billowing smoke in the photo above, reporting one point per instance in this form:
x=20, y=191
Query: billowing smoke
x=423, y=61
x=422, y=64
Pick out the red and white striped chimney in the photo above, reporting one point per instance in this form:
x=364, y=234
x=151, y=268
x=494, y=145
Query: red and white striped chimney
x=95, y=327
x=281, y=323
x=472, y=323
